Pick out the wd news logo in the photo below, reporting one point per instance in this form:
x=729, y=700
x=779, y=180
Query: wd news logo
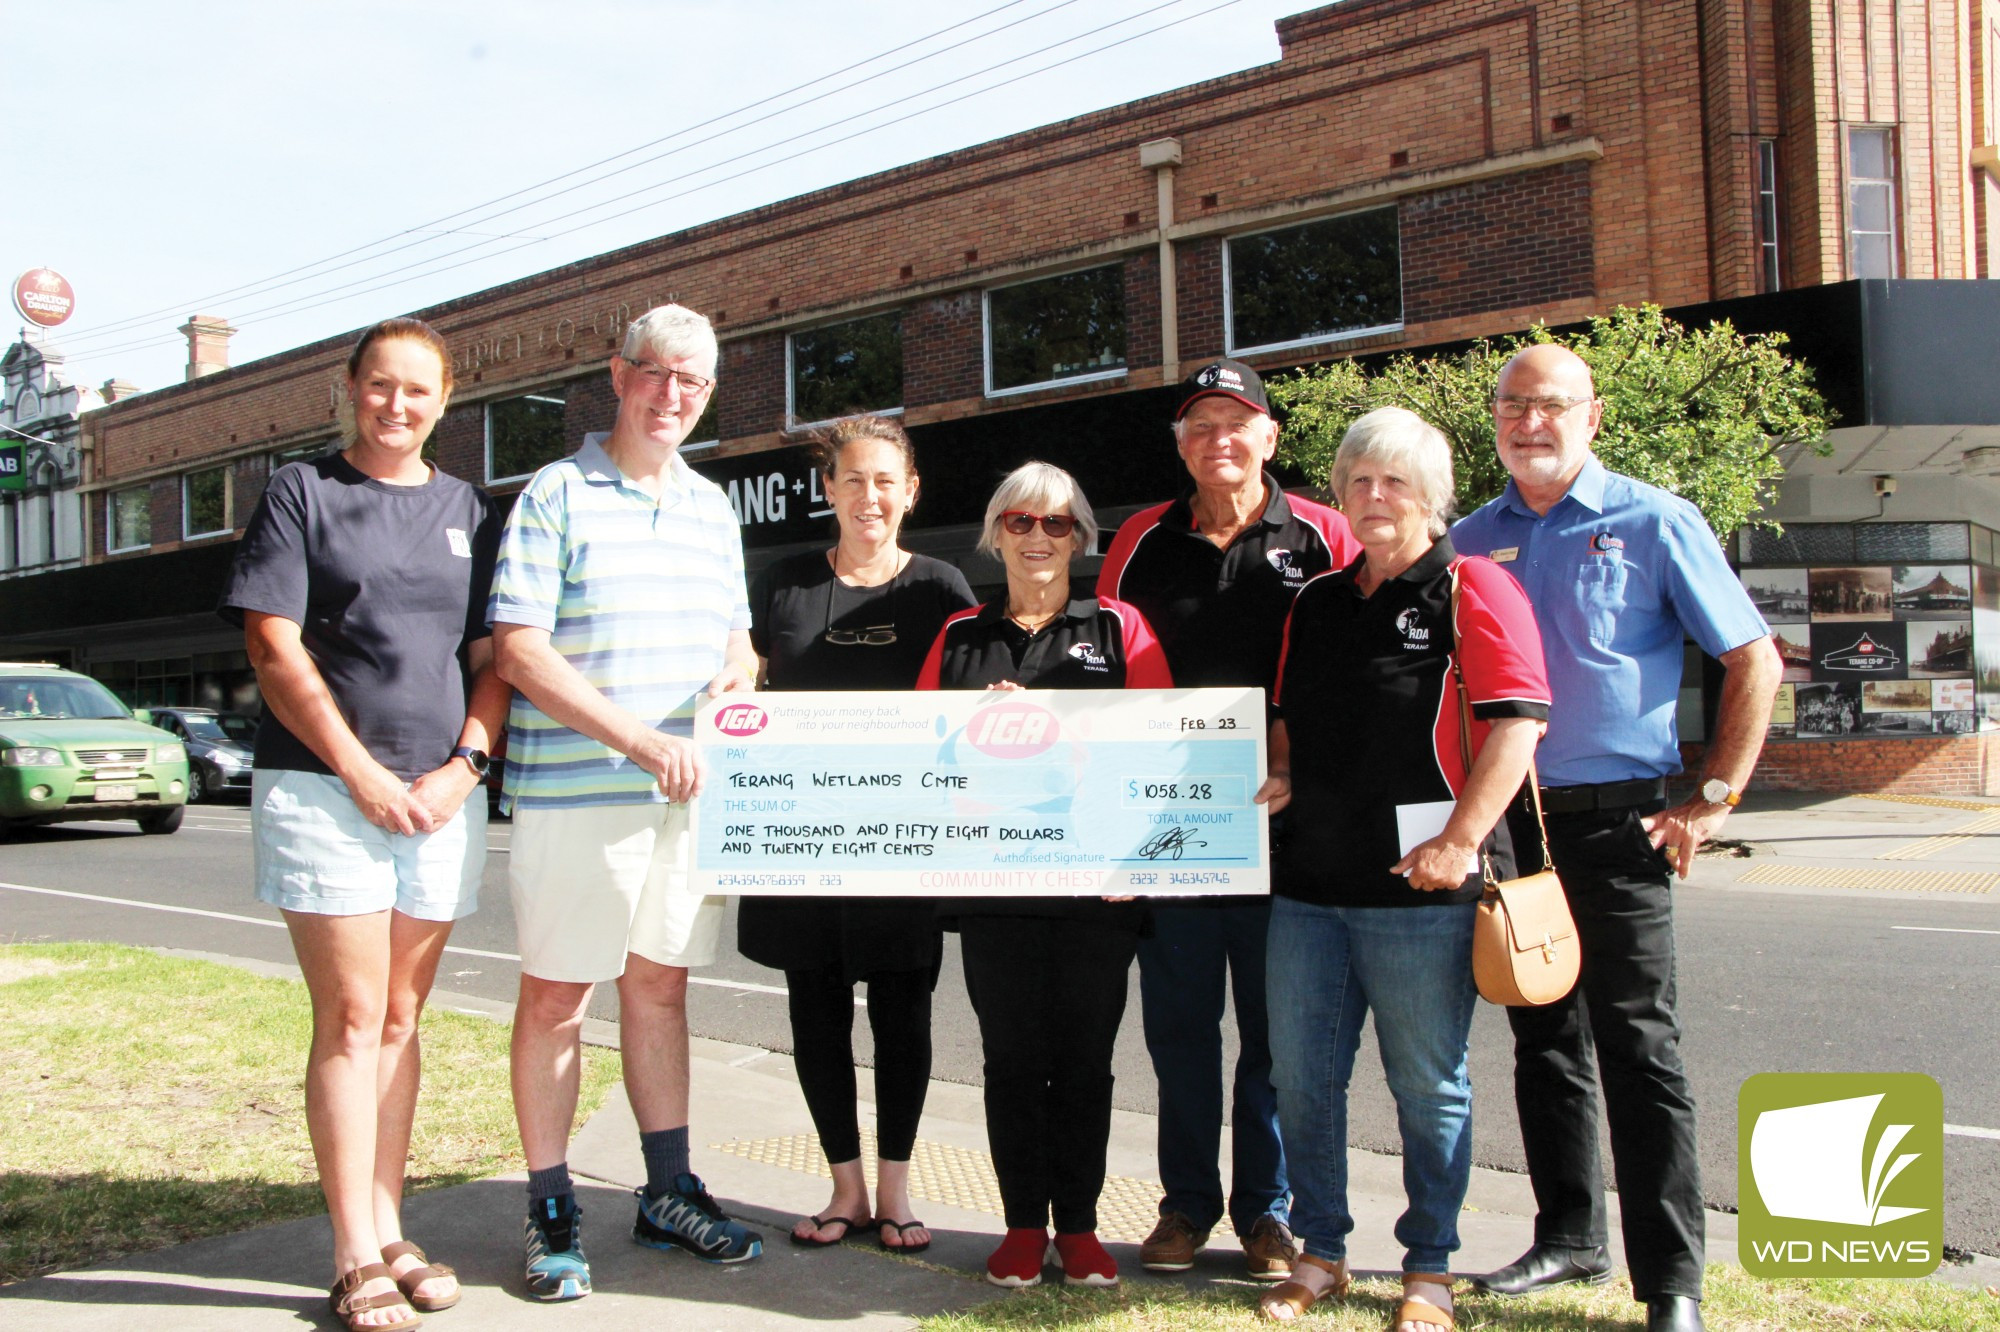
x=1840, y=1174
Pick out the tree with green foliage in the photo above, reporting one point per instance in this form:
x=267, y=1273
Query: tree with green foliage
x=1701, y=412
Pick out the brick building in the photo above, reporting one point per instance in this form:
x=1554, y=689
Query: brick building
x=1409, y=173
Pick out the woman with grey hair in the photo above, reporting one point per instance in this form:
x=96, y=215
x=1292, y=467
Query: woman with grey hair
x=1374, y=894
x=1047, y=975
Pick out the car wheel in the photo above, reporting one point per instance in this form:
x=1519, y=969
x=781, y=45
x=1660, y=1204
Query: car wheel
x=197, y=784
x=162, y=821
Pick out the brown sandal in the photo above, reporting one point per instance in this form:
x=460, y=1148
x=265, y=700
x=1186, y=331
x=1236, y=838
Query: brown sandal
x=349, y=1303
x=416, y=1276
x=1422, y=1311
x=1295, y=1297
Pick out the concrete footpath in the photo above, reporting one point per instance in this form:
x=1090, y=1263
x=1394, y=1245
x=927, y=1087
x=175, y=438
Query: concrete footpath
x=752, y=1143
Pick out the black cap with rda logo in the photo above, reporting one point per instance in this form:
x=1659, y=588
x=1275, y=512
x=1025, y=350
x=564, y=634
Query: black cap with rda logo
x=1227, y=379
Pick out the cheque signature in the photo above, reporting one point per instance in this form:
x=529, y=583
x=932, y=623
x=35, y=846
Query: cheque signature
x=1170, y=843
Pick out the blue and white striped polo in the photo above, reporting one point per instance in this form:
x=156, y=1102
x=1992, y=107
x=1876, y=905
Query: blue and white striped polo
x=639, y=595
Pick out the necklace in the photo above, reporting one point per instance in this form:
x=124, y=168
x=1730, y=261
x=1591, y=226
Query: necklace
x=872, y=574
x=1033, y=624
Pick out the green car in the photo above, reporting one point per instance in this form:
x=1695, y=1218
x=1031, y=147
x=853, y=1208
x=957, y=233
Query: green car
x=70, y=750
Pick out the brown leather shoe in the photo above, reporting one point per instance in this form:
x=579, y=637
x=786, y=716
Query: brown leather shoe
x=1173, y=1244
x=1289, y=1302
x=1269, y=1249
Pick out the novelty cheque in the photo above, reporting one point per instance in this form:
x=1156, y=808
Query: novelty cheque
x=1029, y=793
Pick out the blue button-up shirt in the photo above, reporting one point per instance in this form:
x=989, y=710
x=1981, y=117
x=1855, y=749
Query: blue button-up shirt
x=1618, y=571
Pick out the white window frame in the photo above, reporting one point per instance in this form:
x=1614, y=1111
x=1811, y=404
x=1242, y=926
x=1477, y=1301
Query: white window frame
x=1324, y=340
x=791, y=415
x=1895, y=187
x=111, y=519
x=1770, y=246
x=486, y=428
x=187, y=479
x=986, y=337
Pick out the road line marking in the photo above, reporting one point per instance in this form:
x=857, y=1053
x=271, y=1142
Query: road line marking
x=751, y=987
x=1963, y=1131
x=1939, y=929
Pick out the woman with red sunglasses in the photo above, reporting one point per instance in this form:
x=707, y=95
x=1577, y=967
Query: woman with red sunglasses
x=1047, y=975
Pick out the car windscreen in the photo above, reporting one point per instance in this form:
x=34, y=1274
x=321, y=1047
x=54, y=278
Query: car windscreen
x=226, y=727
x=59, y=698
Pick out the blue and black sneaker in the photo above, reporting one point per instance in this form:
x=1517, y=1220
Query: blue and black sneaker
x=686, y=1217
x=557, y=1269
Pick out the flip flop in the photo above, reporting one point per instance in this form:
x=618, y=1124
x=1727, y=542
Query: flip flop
x=853, y=1223
x=899, y=1227
x=416, y=1276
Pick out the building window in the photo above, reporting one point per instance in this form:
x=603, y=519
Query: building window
x=205, y=503
x=706, y=432
x=846, y=369
x=524, y=434
x=1767, y=214
x=1056, y=330
x=1871, y=203
x=128, y=519
x=1341, y=277
x=302, y=452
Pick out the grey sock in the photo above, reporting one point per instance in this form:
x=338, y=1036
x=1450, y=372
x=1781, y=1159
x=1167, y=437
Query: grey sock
x=553, y=1182
x=666, y=1153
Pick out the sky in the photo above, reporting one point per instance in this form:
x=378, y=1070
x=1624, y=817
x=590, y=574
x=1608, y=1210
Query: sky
x=303, y=169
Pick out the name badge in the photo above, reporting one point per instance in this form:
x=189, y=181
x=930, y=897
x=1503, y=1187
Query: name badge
x=1505, y=554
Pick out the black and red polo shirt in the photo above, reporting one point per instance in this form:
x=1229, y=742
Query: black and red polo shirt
x=1366, y=695
x=1096, y=643
x=1220, y=614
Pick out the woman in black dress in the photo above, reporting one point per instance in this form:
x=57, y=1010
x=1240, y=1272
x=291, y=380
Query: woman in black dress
x=859, y=616
x=1047, y=975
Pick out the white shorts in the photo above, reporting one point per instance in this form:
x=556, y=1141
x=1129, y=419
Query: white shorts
x=314, y=852
x=593, y=884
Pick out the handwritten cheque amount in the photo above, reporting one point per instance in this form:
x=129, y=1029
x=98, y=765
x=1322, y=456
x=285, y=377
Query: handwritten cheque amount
x=1031, y=793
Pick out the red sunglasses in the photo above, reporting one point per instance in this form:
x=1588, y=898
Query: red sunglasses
x=1020, y=522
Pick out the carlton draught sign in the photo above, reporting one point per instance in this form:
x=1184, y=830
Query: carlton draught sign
x=44, y=297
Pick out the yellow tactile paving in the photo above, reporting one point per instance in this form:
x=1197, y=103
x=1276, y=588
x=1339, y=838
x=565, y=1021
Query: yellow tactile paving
x=957, y=1177
x=1938, y=802
x=1945, y=841
x=1902, y=881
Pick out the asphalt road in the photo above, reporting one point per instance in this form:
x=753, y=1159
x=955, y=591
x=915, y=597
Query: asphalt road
x=1769, y=982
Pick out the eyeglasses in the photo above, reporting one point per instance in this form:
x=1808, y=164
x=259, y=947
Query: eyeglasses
x=1020, y=522
x=1549, y=409
x=881, y=635
x=656, y=377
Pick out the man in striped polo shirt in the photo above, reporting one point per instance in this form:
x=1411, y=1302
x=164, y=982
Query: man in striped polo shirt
x=619, y=602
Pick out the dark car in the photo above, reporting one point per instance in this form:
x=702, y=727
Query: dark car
x=218, y=746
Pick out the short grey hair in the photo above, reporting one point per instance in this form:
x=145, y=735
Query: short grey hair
x=670, y=332
x=1409, y=445
x=1040, y=487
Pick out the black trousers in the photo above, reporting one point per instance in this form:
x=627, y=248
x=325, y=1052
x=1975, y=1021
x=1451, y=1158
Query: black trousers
x=1618, y=1027
x=1049, y=995
x=899, y=1015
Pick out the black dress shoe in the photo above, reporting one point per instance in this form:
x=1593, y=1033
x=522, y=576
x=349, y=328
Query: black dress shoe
x=1673, y=1313
x=1547, y=1265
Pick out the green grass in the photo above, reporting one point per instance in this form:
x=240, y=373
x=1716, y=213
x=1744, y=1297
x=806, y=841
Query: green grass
x=147, y=1101
x=1735, y=1300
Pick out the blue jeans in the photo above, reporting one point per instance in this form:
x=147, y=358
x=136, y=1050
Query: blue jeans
x=1328, y=968
x=1194, y=954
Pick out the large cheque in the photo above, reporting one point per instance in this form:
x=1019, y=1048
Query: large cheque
x=1029, y=793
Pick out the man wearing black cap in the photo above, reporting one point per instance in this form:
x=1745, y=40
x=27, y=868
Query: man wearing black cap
x=1215, y=572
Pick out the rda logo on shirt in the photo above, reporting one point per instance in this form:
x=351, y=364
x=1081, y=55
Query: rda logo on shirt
x=461, y=544
x=1416, y=637
x=1087, y=653
x=1840, y=1174
x=1281, y=560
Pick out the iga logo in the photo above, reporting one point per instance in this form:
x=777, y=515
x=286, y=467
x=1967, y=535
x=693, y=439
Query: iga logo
x=1841, y=1174
x=1864, y=655
x=1013, y=730
x=741, y=719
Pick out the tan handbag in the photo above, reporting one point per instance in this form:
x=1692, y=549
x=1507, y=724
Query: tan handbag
x=1525, y=951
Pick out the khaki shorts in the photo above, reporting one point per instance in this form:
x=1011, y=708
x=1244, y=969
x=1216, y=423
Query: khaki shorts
x=593, y=884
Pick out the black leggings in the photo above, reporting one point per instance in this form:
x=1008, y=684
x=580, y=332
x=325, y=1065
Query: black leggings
x=899, y=1015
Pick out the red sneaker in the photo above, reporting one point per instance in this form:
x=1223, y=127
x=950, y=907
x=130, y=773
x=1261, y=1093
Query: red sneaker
x=1085, y=1262
x=1018, y=1260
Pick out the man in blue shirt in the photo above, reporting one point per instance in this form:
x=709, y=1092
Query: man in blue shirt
x=1618, y=571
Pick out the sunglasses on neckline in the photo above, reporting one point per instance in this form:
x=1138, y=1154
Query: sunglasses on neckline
x=1020, y=522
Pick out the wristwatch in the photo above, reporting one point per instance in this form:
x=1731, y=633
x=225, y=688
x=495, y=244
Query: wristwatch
x=1716, y=792
x=476, y=759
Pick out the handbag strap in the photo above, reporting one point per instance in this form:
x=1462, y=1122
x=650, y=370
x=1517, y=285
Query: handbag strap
x=1465, y=741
